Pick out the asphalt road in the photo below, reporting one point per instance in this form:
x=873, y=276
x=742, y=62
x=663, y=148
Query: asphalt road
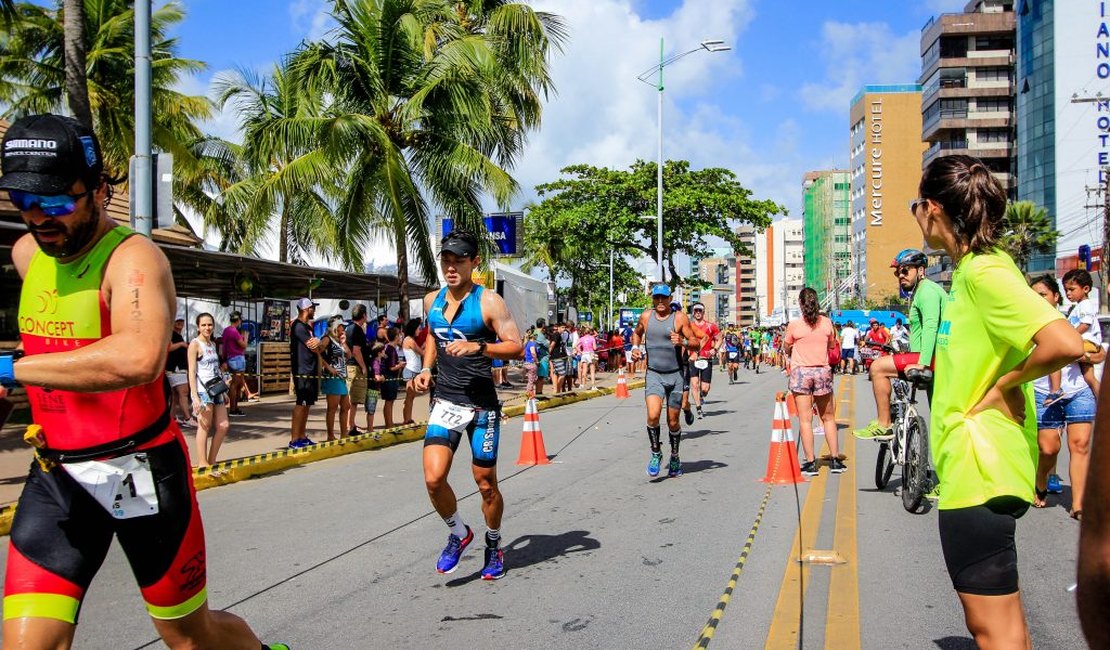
x=341, y=553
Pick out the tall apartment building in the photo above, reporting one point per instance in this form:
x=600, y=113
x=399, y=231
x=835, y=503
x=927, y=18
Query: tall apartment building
x=746, y=302
x=731, y=297
x=885, y=161
x=967, y=86
x=827, y=226
x=1063, y=50
x=720, y=273
x=779, y=270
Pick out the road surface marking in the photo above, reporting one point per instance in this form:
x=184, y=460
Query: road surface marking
x=842, y=621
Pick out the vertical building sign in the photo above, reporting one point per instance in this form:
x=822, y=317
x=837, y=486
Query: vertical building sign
x=876, y=129
x=1082, y=68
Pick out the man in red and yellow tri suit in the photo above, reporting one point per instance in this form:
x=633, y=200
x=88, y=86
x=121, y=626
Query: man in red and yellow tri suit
x=95, y=314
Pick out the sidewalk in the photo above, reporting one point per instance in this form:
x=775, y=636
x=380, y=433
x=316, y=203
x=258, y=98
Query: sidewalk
x=265, y=428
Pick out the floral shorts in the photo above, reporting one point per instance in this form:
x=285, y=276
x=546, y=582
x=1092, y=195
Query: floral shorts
x=811, y=380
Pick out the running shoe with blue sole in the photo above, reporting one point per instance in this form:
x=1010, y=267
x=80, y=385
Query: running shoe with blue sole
x=449, y=558
x=1054, y=485
x=654, y=463
x=495, y=564
x=674, y=469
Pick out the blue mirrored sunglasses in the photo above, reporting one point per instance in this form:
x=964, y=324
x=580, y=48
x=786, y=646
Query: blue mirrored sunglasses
x=61, y=205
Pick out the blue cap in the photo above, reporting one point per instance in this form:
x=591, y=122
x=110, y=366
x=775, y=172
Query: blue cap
x=661, y=290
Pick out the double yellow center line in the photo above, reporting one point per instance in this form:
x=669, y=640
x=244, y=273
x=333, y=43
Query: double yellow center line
x=842, y=629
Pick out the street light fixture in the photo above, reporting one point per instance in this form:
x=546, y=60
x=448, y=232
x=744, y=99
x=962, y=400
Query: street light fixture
x=708, y=45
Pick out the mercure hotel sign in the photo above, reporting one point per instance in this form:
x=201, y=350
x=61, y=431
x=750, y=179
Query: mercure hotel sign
x=875, y=128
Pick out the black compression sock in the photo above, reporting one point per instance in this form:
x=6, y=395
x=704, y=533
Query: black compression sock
x=676, y=437
x=653, y=437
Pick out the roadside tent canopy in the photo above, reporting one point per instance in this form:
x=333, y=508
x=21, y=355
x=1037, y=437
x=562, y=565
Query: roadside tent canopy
x=211, y=274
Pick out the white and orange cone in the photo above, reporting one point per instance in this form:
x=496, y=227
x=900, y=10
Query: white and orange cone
x=532, y=451
x=782, y=457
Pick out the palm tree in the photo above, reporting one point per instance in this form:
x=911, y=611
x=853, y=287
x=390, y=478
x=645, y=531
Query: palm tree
x=429, y=109
x=284, y=173
x=33, y=76
x=1026, y=231
x=77, y=84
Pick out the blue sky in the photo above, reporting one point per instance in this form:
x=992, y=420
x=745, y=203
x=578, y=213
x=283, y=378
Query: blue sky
x=770, y=109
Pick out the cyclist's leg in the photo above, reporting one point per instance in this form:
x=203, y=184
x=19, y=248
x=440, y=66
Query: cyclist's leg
x=882, y=371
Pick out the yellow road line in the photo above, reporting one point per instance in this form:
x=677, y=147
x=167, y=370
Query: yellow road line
x=842, y=628
x=783, y=634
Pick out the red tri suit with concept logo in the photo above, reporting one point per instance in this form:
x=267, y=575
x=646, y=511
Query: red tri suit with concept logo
x=62, y=308
x=61, y=534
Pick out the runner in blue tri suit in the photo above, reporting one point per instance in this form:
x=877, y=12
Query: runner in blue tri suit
x=732, y=355
x=466, y=322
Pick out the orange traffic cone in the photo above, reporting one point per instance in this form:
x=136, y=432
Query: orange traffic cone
x=622, y=385
x=782, y=458
x=532, y=451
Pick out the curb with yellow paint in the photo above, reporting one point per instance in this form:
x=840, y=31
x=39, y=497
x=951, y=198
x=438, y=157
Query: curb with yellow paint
x=240, y=469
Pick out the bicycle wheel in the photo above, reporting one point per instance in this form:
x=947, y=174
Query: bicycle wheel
x=916, y=468
x=884, y=465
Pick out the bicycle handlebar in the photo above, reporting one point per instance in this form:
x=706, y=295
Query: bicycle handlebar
x=922, y=378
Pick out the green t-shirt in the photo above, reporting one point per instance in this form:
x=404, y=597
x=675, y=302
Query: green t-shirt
x=925, y=314
x=987, y=330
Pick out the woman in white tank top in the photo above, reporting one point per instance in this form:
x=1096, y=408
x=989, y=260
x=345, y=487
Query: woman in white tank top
x=211, y=411
x=414, y=362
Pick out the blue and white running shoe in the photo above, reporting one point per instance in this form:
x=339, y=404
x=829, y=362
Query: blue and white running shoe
x=449, y=558
x=495, y=564
x=1054, y=485
x=654, y=463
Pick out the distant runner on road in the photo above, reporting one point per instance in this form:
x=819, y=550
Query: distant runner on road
x=465, y=321
x=662, y=333
x=701, y=364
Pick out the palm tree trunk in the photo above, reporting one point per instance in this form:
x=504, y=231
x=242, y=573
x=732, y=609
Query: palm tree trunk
x=77, y=85
x=283, y=235
x=403, y=281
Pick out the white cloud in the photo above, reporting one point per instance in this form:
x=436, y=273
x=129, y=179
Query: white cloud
x=311, y=17
x=604, y=116
x=858, y=54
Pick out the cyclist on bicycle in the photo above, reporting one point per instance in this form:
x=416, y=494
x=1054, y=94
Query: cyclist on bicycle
x=926, y=309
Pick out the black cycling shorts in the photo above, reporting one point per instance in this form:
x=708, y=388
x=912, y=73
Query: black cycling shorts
x=704, y=374
x=978, y=546
x=61, y=535
x=306, y=390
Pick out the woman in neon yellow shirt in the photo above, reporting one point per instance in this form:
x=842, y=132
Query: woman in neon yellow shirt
x=996, y=336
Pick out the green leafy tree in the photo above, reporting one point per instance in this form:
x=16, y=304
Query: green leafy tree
x=553, y=242
x=609, y=205
x=1027, y=231
x=431, y=103
x=33, y=79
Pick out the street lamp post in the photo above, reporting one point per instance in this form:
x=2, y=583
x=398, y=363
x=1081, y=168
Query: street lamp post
x=714, y=45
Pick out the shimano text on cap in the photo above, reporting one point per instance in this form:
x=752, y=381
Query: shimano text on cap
x=47, y=154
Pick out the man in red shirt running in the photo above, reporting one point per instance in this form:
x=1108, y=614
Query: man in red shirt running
x=701, y=366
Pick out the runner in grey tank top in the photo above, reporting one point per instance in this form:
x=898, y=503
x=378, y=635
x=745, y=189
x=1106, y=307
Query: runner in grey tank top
x=663, y=380
x=661, y=354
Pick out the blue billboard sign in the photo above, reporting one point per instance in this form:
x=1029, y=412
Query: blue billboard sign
x=502, y=227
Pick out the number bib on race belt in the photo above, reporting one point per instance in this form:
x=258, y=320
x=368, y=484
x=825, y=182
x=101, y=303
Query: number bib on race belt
x=701, y=364
x=123, y=486
x=451, y=417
